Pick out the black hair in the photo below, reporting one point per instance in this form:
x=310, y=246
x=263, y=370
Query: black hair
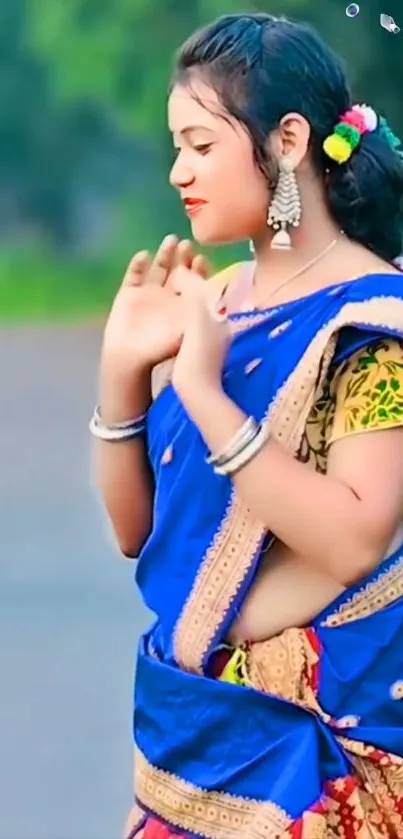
x=264, y=67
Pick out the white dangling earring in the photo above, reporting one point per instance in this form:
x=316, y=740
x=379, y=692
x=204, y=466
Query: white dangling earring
x=252, y=247
x=285, y=206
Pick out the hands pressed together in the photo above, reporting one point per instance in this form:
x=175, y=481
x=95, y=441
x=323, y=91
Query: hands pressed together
x=206, y=336
x=164, y=310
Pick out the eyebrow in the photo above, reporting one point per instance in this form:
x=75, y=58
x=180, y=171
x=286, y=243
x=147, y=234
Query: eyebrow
x=191, y=128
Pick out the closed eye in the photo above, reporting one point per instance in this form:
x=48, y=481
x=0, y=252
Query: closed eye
x=203, y=148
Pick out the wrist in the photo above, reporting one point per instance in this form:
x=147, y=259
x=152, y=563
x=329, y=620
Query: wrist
x=124, y=397
x=203, y=399
x=217, y=417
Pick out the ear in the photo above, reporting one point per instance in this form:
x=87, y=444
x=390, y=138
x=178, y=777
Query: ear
x=291, y=138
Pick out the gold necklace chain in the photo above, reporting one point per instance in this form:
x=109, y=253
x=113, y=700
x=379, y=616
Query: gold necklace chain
x=300, y=271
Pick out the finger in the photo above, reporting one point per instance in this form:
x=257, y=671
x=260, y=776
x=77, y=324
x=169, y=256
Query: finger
x=137, y=270
x=163, y=261
x=184, y=254
x=184, y=257
x=200, y=265
x=187, y=283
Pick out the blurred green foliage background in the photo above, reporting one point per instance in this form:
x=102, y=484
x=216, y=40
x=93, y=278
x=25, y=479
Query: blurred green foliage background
x=85, y=152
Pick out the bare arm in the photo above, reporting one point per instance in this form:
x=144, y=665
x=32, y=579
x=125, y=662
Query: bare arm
x=144, y=329
x=122, y=471
x=341, y=522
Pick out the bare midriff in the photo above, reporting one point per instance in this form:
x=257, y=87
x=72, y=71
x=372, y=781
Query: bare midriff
x=287, y=592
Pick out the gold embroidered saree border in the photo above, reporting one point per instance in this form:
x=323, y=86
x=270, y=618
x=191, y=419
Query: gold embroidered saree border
x=229, y=558
x=222, y=573
x=372, y=799
x=215, y=815
x=373, y=597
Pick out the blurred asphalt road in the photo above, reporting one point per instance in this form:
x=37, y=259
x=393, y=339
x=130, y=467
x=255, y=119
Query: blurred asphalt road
x=69, y=613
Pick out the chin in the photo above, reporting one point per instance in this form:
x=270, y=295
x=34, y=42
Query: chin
x=209, y=236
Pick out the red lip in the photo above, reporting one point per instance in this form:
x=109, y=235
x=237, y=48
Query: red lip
x=192, y=203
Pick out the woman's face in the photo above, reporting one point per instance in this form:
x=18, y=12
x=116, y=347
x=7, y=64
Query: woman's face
x=225, y=195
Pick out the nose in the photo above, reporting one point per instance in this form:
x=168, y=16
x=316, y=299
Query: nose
x=181, y=174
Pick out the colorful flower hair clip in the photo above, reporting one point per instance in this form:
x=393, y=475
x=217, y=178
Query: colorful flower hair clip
x=347, y=134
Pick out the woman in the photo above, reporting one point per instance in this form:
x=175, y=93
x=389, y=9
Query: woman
x=265, y=511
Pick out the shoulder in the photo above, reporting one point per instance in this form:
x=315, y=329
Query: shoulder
x=378, y=359
x=379, y=356
x=366, y=272
x=377, y=295
x=377, y=272
x=369, y=388
x=377, y=265
x=361, y=261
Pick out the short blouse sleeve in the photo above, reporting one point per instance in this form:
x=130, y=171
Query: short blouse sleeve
x=369, y=390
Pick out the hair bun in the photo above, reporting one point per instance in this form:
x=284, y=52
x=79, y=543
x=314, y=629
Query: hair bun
x=366, y=196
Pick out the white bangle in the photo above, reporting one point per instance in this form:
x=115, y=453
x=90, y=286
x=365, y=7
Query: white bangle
x=237, y=444
x=125, y=424
x=246, y=455
x=121, y=432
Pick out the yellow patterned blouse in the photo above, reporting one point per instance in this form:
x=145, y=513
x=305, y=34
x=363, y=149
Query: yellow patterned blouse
x=365, y=393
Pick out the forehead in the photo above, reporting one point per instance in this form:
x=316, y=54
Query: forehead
x=197, y=104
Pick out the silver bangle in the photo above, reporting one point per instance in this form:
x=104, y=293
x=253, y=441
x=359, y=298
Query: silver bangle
x=246, y=455
x=236, y=444
x=120, y=432
x=124, y=424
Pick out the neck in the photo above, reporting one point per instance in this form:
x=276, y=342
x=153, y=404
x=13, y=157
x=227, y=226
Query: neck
x=316, y=231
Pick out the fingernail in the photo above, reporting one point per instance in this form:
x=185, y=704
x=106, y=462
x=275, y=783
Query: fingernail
x=220, y=308
x=171, y=239
x=220, y=311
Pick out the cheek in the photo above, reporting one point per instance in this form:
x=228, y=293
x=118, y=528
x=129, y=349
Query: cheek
x=244, y=194
x=238, y=197
x=236, y=215
x=245, y=185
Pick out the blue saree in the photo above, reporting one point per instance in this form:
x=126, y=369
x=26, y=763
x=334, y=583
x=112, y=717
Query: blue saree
x=313, y=746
